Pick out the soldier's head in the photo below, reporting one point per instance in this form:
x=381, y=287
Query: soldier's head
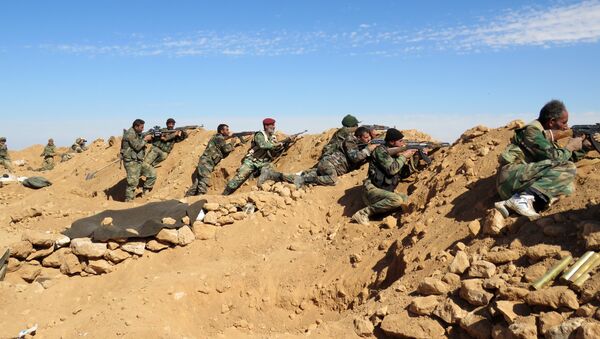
x=554, y=115
x=2, y=140
x=393, y=138
x=223, y=129
x=170, y=123
x=363, y=134
x=269, y=125
x=138, y=125
x=350, y=121
x=51, y=142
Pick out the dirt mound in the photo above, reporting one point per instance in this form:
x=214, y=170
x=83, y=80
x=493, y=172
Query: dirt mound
x=297, y=265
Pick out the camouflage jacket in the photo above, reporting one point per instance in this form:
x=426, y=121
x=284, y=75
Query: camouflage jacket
x=49, y=151
x=385, y=171
x=78, y=147
x=336, y=142
x=4, y=152
x=133, y=146
x=349, y=157
x=264, y=147
x=170, y=140
x=216, y=150
x=530, y=144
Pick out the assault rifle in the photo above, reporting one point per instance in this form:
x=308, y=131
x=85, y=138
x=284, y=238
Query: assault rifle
x=585, y=131
x=420, y=146
x=376, y=127
x=286, y=144
x=240, y=136
x=157, y=132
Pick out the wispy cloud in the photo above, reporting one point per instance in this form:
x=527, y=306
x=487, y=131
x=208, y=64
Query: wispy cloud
x=546, y=27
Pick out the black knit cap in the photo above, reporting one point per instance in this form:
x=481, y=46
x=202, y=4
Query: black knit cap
x=393, y=134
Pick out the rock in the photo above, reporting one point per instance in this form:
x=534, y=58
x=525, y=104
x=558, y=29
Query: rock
x=502, y=256
x=533, y=273
x=493, y=283
x=423, y=305
x=477, y=325
x=70, y=264
x=204, y=232
x=516, y=124
x=389, y=222
x=363, y=327
x=225, y=220
x=565, y=330
x=548, y=320
x=117, y=256
x=403, y=326
x=588, y=330
x=453, y=280
x=512, y=293
x=169, y=236
x=493, y=224
x=100, y=266
x=61, y=240
x=211, y=206
x=135, y=247
x=285, y=192
x=29, y=272
x=449, y=312
x=586, y=311
x=186, y=220
x=238, y=215
x=13, y=265
x=554, y=297
x=541, y=251
x=168, y=221
x=474, y=228
x=86, y=248
x=510, y=310
x=185, y=236
x=40, y=239
x=210, y=218
x=40, y=253
x=460, y=263
x=106, y=221
x=112, y=245
x=155, y=246
x=432, y=286
x=55, y=259
x=482, y=269
x=472, y=291
x=21, y=249
x=522, y=330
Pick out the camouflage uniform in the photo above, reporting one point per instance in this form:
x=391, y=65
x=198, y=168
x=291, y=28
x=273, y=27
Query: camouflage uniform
x=337, y=140
x=48, y=154
x=161, y=148
x=531, y=161
x=385, y=173
x=133, y=149
x=4, y=158
x=216, y=150
x=347, y=158
x=262, y=151
x=79, y=146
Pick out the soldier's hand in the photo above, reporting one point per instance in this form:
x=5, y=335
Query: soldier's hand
x=178, y=133
x=575, y=144
x=148, y=137
x=372, y=147
x=409, y=153
x=596, y=137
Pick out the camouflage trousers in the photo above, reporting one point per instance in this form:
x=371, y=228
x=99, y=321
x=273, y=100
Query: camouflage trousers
x=47, y=164
x=326, y=174
x=249, y=167
x=202, y=181
x=155, y=156
x=134, y=170
x=549, y=177
x=6, y=163
x=381, y=201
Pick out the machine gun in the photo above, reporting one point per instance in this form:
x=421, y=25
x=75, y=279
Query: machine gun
x=376, y=127
x=420, y=146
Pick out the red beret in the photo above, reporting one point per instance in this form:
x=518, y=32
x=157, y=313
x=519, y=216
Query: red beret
x=268, y=121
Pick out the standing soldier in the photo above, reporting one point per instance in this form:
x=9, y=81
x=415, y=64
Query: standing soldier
x=161, y=147
x=48, y=154
x=385, y=172
x=133, y=147
x=263, y=150
x=216, y=150
x=4, y=158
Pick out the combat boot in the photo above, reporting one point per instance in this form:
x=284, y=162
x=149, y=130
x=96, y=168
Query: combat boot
x=522, y=204
x=362, y=216
x=268, y=174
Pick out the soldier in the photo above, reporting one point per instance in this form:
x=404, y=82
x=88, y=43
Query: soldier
x=133, y=147
x=4, y=157
x=385, y=172
x=349, y=123
x=263, y=150
x=161, y=147
x=216, y=150
x=79, y=145
x=48, y=154
x=352, y=154
x=534, y=169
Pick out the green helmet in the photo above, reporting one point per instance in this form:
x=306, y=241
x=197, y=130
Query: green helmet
x=349, y=121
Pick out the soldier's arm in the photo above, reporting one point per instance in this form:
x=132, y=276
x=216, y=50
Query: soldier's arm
x=389, y=164
x=262, y=142
x=225, y=147
x=541, y=148
x=134, y=142
x=354, y=154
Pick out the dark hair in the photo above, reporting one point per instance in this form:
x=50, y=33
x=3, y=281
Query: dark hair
x=360, y=131
x=170, y=121
x=552, y=110
x=138, y=122
x=221, y=127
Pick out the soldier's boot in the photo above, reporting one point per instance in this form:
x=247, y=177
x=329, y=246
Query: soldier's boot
x=269, y=174
x=362, y=216
x=309, y=178
x=146, y=191
x=228, y=190
x=501, y=207
x=523, y=204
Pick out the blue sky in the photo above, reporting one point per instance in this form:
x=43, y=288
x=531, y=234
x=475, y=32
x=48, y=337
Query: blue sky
x=83, y=68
